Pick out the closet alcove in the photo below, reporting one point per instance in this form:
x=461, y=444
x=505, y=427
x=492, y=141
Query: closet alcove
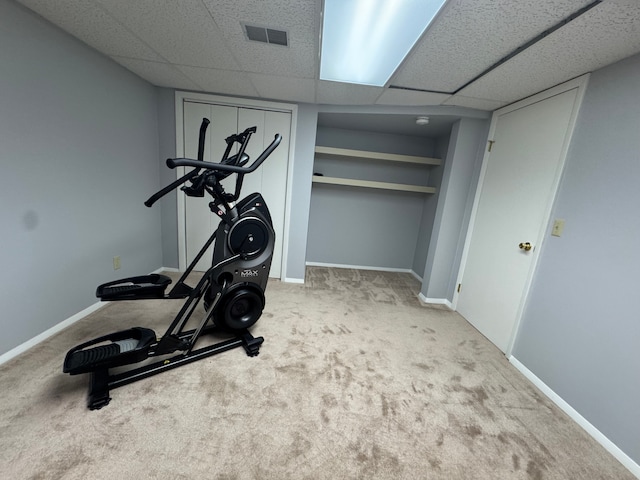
x=375, y=188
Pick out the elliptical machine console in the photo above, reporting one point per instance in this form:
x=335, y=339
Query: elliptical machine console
x=231, y=290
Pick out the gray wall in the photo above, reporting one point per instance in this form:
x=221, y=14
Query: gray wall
x=441, y=148
x=455, y=201
x=580, y=333
x=301, y=191
x=79, y=156
x=375, y=142
x=360, y=226
x=168, y=205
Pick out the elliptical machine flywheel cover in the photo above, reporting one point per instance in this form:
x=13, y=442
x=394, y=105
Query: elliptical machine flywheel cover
x=240, y=308
x=249, y=237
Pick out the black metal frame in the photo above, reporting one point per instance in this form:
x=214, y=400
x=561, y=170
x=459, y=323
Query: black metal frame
x=225, y=276
x=101, y=382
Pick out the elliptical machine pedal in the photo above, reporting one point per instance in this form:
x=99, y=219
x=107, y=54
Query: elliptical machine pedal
x=134, y=288
x=109, y=351
x=231, y=290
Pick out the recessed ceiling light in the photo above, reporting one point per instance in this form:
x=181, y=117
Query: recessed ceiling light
x=364, y=41
x=422, y=121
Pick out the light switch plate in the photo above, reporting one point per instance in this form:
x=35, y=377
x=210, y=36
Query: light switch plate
x=558, y=227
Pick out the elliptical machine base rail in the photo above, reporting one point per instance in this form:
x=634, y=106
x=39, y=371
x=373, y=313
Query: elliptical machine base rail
x=101, y=381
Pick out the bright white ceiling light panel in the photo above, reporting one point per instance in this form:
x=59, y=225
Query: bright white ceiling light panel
x=364, y=41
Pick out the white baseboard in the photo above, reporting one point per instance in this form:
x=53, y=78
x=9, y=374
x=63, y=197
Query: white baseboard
x=416, y=276
x=14, y=352
x=167, y=269
x=359, y=267
x=5, y=357
x=599, y=437
x=436, y=301
x=293, y=280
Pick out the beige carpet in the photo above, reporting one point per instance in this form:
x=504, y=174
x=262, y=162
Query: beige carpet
x=355, y=379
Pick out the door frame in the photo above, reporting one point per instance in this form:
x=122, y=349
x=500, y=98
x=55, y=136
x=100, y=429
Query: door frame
x=579, y=83
x=182, y=97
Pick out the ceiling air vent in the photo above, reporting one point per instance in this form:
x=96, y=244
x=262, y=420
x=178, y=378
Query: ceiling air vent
x=266, y=35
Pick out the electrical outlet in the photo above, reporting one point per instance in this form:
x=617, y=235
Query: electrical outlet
x=116, y=262
x=558, y=227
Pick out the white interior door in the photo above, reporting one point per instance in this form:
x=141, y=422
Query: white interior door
x=270, y=179
x=517, y=188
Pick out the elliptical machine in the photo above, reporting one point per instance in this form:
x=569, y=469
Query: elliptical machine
x=232, y=290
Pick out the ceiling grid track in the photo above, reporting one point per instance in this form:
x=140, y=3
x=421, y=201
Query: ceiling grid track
x=532, y=42
x=512, y=54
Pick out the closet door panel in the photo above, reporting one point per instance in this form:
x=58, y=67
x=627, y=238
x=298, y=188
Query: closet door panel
x=274, y=179
x=270, y=179
x=197, y=224
x=200, y=222
x=248, y=117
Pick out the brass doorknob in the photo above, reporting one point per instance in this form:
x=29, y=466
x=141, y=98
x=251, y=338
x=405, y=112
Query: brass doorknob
x=525, y=246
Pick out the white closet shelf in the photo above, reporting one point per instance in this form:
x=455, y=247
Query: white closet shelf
x=371, y=184
x=364, y=155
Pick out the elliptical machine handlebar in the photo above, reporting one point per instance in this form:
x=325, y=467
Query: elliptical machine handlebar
x=188, y=162
x=198, y=164
x=201, y=140
x=158, y=195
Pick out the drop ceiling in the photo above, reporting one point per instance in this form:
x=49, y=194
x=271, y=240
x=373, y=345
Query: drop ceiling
x=471, y=56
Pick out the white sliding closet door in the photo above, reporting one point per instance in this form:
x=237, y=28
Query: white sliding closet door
x=200, y=222
x=270, y=179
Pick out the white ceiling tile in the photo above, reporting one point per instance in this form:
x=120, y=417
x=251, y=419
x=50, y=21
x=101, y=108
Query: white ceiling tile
x=394, y=96
x=469, y=36
x=297, y=60
x=90, y=23
x=613, y=31
x=336, y=93
x=284, y=88
x=160, y=74
x=477, y=103
x=182, y=32
x=292, y=15
x=299, y=18
x=605, y=34
x=221, y=81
